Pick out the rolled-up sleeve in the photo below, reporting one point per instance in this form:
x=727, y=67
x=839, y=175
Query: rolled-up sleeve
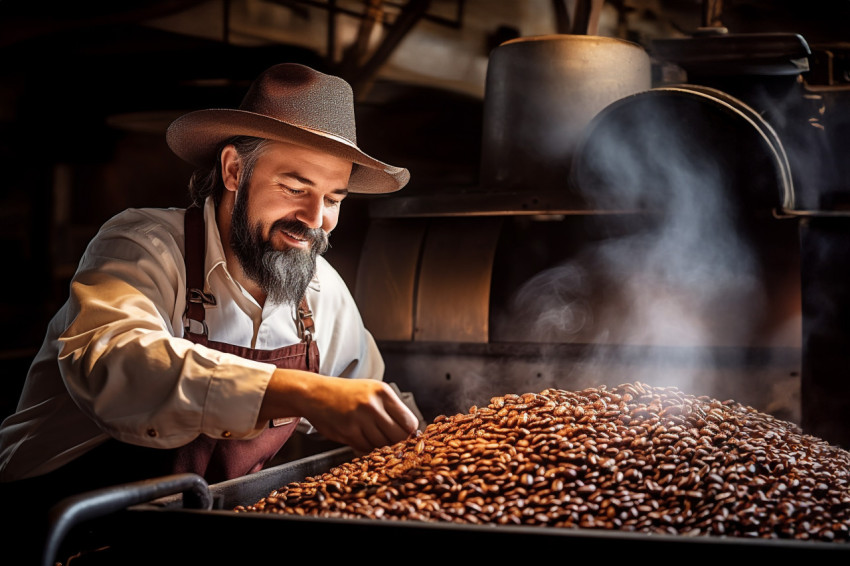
x=124, y=361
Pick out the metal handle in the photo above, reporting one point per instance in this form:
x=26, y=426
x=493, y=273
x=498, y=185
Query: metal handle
x=97, y=503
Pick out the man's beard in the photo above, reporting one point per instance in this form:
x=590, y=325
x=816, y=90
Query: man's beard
x=282, y=275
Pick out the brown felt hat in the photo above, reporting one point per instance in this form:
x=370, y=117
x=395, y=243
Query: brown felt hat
x=289, y=103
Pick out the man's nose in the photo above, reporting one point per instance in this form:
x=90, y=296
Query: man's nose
x=311, y=212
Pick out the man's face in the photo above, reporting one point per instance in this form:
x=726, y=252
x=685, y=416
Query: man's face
x=283, y=215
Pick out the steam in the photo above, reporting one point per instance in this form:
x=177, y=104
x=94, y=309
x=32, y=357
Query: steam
x=686, y=282
x=671, y=287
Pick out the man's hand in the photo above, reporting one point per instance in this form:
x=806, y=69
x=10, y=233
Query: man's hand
x=362, y=413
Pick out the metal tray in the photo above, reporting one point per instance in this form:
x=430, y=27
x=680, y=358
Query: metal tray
x=181, y=519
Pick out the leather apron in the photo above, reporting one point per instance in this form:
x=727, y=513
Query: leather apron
x=221, y=459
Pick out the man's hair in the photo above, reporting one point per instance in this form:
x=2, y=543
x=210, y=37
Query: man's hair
x=207, y=181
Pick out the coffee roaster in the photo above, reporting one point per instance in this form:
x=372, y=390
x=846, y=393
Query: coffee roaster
x=677, y=234
x=641, y=233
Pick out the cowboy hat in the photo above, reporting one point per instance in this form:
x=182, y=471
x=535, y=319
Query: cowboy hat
x=289, y=103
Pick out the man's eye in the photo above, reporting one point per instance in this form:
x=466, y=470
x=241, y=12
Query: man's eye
x=329, y=202
x=291, y=191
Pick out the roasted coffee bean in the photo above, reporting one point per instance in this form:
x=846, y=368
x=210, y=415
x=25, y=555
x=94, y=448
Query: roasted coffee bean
x=634, y=458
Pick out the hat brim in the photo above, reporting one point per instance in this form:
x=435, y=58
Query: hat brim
x=196, y=136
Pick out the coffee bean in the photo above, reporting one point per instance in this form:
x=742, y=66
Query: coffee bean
x=634, y=458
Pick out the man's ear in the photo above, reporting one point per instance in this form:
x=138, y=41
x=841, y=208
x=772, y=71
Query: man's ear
x=231, y=166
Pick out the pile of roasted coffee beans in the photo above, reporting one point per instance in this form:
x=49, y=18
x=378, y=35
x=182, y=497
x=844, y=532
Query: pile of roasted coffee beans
x=630, y=458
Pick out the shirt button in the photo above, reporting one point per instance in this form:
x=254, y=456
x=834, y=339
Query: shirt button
x=226, y=434
x=152, y=432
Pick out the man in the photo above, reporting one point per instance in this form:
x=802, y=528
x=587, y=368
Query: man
x=196, y=340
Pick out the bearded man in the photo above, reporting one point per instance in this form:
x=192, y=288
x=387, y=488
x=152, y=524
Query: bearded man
x=197, y=340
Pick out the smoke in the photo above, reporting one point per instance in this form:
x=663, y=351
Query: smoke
x=559, y=300
x=685, y=282
x=675, y=276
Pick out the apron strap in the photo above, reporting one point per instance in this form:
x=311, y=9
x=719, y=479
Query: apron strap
x=195, y=254
x=305, y=321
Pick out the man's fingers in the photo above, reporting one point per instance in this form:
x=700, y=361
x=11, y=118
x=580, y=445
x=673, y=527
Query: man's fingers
x=391, y=425
x=375, y=436
x=401, y=415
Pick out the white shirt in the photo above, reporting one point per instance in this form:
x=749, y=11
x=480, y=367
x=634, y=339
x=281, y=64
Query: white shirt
x=114, y=363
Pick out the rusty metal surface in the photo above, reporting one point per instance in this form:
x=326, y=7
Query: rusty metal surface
x=453, y=296
x=386, y=278
x=428, y=279
x=447, y=378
